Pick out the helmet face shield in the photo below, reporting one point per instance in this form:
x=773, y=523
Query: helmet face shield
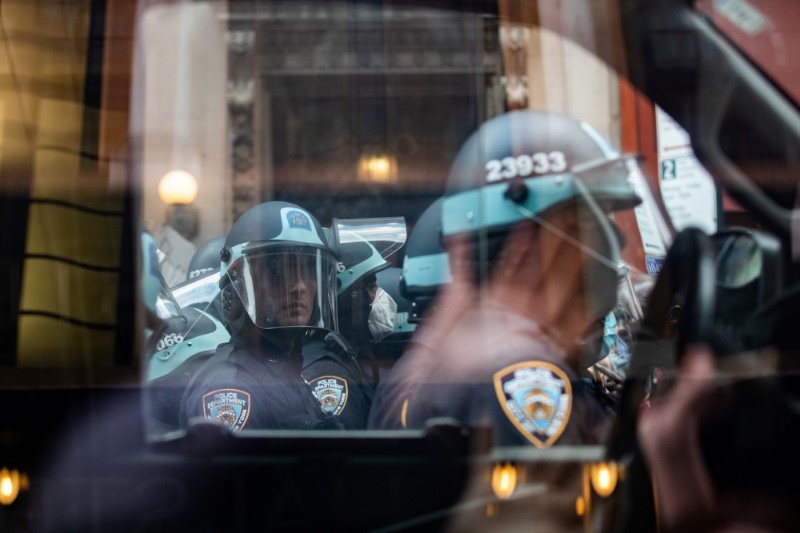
x=165, y=305
x=385, y=234
x=282, y=287
x=577, y=239
x=198, y=292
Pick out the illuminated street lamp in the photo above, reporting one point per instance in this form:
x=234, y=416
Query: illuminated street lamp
x=178, y=189
x=377, y=168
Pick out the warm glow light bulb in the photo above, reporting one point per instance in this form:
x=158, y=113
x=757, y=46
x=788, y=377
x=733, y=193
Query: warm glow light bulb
x=177, y=187
x=380, y=168
x=604, y=478
x=504, y=480
x=379, y=165
x=9, y=486
x=580, y=506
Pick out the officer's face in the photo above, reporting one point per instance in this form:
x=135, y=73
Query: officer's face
x=574, y=249
x=287, y=285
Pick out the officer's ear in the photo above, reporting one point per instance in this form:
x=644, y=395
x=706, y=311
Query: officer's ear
x=371, y=287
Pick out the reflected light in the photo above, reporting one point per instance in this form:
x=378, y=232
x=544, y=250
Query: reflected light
x=379, y=168
x=604, y=478
x=9, y=486
x=177, y=187
x=404, y=414
x=504, y=480
x=580, y=506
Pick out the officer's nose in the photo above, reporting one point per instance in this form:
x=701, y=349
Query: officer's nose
x=297, y=282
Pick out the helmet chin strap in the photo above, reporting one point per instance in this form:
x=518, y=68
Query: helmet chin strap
x=613, y=262
x=610, y=235
x=594, y=254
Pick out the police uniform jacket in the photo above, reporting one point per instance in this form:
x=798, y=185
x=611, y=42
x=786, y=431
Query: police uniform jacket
x=245, y=390
x=337, y=382
x=500, y=369
x=395, y=390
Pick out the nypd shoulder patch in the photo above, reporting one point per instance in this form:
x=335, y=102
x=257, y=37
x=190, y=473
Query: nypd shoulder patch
x=229, y=407
x=537, y=398
x=331, y=392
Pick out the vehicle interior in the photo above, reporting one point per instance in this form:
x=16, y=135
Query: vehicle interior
x=355, y=110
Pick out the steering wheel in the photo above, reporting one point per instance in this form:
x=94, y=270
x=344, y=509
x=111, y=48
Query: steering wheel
x=683, y=300
x=679, y=312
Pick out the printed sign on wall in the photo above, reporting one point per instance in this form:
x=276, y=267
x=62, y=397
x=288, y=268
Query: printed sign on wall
x=688, y=191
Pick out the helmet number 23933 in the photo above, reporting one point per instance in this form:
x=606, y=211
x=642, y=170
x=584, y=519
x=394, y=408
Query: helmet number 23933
x=525, y=165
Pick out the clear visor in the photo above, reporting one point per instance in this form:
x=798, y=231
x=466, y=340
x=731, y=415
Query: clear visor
x=287, y=287
x=628, y=296
x=166, y=306
x=386, y=234
x=198, y=292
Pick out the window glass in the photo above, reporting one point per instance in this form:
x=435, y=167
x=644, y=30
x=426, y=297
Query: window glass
x=432, y=230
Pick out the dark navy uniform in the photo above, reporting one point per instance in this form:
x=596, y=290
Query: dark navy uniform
x=180, y=349
x=241, y=390
x=337, y=382
x=397, y=388
x=513, y=379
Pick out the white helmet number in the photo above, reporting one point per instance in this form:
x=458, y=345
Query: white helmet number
x=525, y=165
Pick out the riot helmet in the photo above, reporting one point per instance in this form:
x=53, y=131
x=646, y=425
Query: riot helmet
x=359, y=262
x=201, y=289
x=363, y=246
x=278, y=272
x=206, y=258
x=159, y=302
x=426, y=266
x=555, y=175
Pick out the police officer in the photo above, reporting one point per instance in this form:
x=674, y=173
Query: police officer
x=534, y=261
x=192, y=330
x=189, y=338
x=277, y=282
x=339, y=371
x=528, y=197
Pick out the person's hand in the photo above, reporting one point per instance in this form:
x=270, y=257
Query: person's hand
x=668, y=432
x=606, y=378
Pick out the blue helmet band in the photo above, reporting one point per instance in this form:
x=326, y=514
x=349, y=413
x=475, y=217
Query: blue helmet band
x=505, y=204
x=501, y=204
x=427, y=270
x=489, y=206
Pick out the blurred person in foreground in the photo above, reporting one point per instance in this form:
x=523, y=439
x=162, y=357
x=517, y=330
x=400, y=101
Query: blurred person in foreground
x=535, y=264
x=526, y=220
x=425, y=273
